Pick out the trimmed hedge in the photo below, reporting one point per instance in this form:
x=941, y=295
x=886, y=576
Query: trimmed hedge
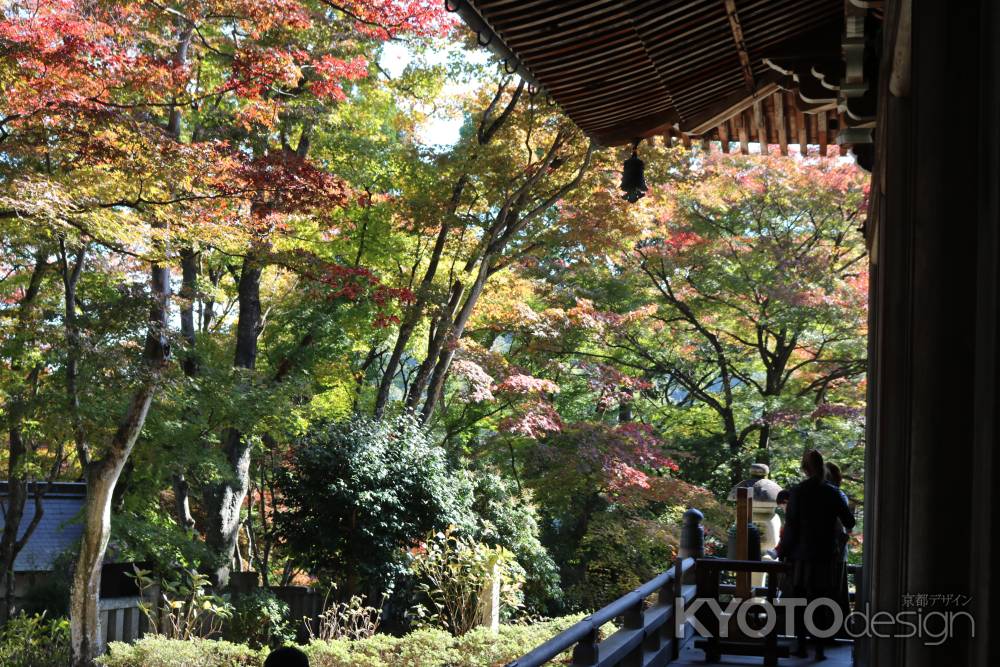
x=423, y=648
x=155, y=651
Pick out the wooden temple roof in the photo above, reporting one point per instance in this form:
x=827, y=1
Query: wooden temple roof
x=772, y=71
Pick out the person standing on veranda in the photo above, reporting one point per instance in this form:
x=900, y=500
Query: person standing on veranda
x=835, y=477
x=810, y=543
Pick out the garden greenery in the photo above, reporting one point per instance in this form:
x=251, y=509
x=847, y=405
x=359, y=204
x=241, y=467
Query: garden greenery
x=422, y=648
x=456, y=578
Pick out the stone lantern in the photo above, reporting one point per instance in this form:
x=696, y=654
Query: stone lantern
x=764, y=493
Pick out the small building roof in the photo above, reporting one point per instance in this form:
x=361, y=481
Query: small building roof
x=58, y=530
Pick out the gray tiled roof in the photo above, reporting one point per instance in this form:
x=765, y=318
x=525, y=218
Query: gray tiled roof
x=58, y=531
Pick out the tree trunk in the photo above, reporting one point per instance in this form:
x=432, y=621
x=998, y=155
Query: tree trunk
x=224, y=499
x=17, y=494
x=188, y=293
x=763, y=440
x=191, y=366
x=417, y=309
x=182, y=501
x=485, y=133
x=102, y=476
x=439, y=334
x=624, y=411
x=17, y=453
x=735, y=445
x=508, y=222
x=455, y=332
x=71, y=277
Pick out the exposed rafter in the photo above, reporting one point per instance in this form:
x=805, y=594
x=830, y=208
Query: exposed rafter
x=753, y=71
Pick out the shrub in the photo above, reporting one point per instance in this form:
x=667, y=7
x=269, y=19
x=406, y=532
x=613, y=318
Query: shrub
x=482, y=647
x=260, y=619
x=352, y=619
x=452, y=572
x=34, y=641
x=157, y=651
x=508, y=518
x=358, y=493
x=186, y=607
x=424, y=648
x=436, y=648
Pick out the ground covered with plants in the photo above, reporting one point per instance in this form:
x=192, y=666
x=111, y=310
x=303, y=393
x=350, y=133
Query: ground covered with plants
x=422, y=648
x=315, y=291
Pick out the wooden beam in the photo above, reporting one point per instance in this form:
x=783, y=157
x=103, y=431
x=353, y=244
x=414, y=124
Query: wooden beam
x=724, y=109
x=744, y=132
x=780, y=121
x=800, y=119
x=821, y=120
x=619, y=135
x=761, y=125
x=741, y=48
x=724, y=135
x=793, y=123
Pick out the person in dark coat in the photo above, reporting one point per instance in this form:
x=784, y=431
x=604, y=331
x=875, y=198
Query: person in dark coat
x=810, y=543
x=843, y=596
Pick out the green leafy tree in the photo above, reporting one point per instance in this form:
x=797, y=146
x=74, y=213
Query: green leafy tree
x=357, y=494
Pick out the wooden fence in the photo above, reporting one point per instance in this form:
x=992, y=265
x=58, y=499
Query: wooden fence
x=304, y=607
x=121, y=620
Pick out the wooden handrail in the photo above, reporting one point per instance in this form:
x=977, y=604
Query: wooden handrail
x=728, y=565
x=645, y=630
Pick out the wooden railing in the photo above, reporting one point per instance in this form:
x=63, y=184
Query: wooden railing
x=709, y=571
x=648, y=635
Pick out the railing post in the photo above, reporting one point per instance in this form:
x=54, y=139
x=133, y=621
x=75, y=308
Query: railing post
x=586, y=653
x=678, y=632
x=635, y=619
x=692, y=535
x=708, y=587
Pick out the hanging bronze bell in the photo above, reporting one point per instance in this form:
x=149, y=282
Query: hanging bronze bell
x=634, y=177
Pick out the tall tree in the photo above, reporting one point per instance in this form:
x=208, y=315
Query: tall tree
x=749, y=292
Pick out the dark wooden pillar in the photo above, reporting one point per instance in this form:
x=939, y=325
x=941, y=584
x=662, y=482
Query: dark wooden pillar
x=933, y=477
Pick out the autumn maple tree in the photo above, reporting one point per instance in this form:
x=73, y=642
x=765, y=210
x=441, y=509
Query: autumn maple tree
x=744, y=294
x=158, y=131
x=224, y=234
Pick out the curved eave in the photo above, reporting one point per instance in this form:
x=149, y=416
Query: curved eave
x=730, y=70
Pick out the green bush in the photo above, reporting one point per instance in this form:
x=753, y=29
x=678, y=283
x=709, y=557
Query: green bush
x=436, y=648
x=260, y=619
x=156, y=651
x=452, y=572
x=508, y=518
x=35, y=641
x=358, y=493
x=424, y=648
